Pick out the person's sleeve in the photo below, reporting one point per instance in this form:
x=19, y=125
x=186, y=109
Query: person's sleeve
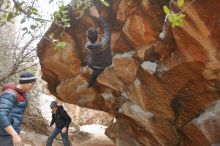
x=7, y=102
x=52, y=121
x=107, y=34
x=67, y=118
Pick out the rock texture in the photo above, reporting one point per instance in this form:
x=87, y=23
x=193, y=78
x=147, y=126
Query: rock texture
x=174, y=103
x=84, y=116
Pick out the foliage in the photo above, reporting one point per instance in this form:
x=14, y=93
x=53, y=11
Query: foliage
x=61, y=16
x=14, y=9
x=28, y=10
x=80, y=6
x=175, y=19
x=58, y=45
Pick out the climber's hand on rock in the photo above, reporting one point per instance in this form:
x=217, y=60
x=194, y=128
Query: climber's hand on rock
x=94, y=12
x=64, y=130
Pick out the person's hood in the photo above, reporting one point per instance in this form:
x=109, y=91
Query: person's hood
x=93, y=46
x=12, y=86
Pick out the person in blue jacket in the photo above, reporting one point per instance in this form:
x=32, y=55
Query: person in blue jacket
x=13, y=102
x=100, y=52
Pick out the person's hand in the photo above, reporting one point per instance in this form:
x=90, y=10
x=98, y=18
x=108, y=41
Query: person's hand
x=94, y=12
x=64, y=130
x=17, y=140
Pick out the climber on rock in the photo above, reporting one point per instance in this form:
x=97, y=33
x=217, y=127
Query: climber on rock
x=13, y=103
x=100, y=53
x=62, y=121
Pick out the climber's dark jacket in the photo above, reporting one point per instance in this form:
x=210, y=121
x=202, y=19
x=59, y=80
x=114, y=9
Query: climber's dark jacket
x=13, y=103
x=61, y=118
x=100, y=53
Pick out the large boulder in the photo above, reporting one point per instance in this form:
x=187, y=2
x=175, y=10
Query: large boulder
x=166, y=105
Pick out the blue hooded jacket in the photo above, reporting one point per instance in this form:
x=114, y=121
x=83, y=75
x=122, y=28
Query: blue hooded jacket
x=13, y=103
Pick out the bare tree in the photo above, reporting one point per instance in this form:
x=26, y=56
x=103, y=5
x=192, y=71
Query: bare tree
x=17, y=53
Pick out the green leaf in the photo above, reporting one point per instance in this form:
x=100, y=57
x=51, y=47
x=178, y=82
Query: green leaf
x=60, y=45
x=181, y=16
x=105, y=3
x=9, y=16
x=166, y=9
x=176, y=20
x=180, y=3
x=172, y=18
x=34, y=9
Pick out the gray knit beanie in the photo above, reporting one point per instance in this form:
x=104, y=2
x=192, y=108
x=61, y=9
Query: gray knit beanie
x=27, y=77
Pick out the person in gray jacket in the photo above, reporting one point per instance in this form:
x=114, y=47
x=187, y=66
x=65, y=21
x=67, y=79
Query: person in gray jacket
x=100, y=53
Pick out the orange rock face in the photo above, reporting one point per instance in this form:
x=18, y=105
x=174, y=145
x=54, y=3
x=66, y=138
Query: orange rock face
x=169, y=101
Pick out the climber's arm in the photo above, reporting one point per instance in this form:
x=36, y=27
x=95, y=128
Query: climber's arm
x=107, y=34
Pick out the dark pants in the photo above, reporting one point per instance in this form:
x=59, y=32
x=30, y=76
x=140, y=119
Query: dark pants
x=96, y=72
x=54, y=134
x=6, y=141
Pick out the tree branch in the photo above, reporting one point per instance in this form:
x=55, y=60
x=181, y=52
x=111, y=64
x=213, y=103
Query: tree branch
x=13, y=71
x=1, y=2
x=19, y=59
x=26, y=68
x=34, y=18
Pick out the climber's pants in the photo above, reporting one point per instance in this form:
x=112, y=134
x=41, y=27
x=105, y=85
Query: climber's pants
x=6, y=141
x=96, y=72
x=54, y=134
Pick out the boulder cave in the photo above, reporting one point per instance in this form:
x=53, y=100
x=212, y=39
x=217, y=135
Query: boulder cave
x=173, y=103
